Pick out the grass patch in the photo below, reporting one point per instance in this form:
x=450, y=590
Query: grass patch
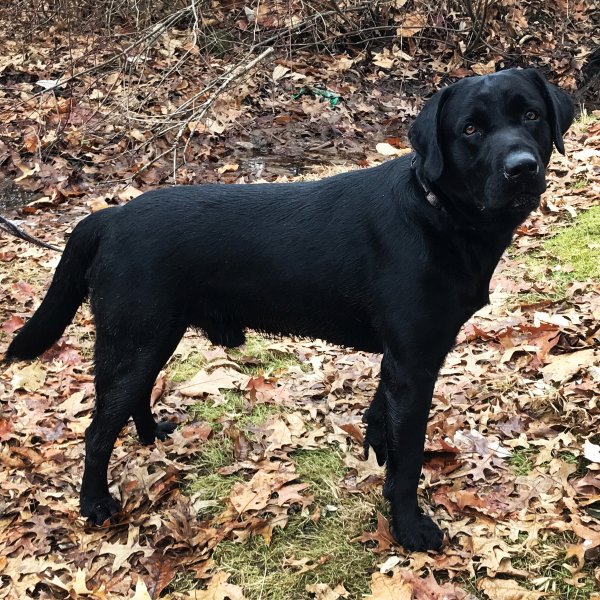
x=212, y=411
x=265, y=572
x=521, y=461
x=184, y=370
x=212, y=489
x=578, y=247
x=255, y=357
x=233, y=408
x=579, y=184
x=533, y=297
x=271, y=572
x=214, y=454
x=550, y=570
x=323, y=469
x=586, y=118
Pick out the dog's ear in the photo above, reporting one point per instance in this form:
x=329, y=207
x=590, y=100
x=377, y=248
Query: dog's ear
x=424, y=134
x=560, y=107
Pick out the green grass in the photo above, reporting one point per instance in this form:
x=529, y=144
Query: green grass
x=256, y=358
x=180, y=371
x=521, y=461
x=579, y=184
x=262, y=572
x=323, y=469
x=577, y=246
x=573, y=254
x=215, y=453
x=235, y=408
x=549, y=568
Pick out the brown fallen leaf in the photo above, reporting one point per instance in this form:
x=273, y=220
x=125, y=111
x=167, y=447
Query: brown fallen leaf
x=564, y=366
x=322, y=591
x=256, y=493
x=507, y=589
x=381, y=536
x=212, y=382
x=30, y=378
x=218, y=589
x=123, y=552
x=386, y=587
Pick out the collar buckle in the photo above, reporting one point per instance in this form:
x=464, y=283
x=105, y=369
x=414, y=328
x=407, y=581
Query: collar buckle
x=429, y=195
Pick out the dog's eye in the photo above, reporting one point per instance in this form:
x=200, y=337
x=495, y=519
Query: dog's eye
x=531, y=115
x=469, y=129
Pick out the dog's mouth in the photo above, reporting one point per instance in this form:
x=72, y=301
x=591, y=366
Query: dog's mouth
x=525, y=202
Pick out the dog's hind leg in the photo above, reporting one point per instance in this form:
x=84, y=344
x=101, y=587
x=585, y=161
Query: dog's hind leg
x=127, y=363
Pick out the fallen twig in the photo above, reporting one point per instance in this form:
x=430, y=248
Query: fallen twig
x=11, y=228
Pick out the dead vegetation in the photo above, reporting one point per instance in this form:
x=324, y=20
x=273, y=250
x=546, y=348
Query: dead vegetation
x=262, y=493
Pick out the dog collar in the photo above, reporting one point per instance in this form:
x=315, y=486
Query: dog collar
x=429, y=195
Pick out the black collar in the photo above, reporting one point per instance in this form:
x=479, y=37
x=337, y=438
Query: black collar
x=429, y=195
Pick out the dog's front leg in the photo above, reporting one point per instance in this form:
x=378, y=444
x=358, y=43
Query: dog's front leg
x=408, y=390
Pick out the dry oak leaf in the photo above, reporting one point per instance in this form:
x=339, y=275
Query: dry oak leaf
x=210, y=383
x=507, y=589
x=30, y=378
x=564, y=366
x=256, y=493
x=123, y=552
x=382, y=535
x=385, y=587
x=141, y=591
x=77, y=585
x=323, y=592
x=218, y=589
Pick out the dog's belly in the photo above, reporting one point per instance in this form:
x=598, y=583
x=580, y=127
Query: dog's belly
x=225, y=319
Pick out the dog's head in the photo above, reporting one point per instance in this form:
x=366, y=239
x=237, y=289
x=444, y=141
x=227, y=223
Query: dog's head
x=484, y=142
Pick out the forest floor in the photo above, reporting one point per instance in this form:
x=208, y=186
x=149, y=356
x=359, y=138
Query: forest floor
x=263, y=493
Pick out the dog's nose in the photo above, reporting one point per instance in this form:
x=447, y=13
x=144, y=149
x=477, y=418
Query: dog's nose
x=520, y=163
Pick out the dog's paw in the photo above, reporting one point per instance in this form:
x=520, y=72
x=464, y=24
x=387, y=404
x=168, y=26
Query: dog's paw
x=418, y=534
x=164, y=429
x=377, y=443
x=378, y=447
x=161, y=432
x=99, y=510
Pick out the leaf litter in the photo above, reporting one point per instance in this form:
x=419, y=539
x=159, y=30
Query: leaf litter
x=520, y=382
x=268, y=455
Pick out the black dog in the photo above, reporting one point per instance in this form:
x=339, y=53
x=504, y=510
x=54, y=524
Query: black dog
x=392, y=259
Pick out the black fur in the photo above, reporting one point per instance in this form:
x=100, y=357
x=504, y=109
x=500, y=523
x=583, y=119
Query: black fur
x=365, y=259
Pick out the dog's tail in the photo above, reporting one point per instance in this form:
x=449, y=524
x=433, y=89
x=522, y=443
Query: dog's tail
x=67, y=291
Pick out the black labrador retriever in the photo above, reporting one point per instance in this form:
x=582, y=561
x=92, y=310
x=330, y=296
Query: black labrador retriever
x=391, y=259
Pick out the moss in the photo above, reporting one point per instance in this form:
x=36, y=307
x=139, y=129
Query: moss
x=578, y=248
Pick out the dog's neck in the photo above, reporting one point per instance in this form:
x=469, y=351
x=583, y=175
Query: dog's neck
x=429, y=195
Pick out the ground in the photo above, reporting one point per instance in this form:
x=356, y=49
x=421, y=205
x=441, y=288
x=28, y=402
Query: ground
x=263, y=491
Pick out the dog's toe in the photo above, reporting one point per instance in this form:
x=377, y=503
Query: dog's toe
x=161, y=432
x=417, y=535
x=164, y=429
x=98, y=511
